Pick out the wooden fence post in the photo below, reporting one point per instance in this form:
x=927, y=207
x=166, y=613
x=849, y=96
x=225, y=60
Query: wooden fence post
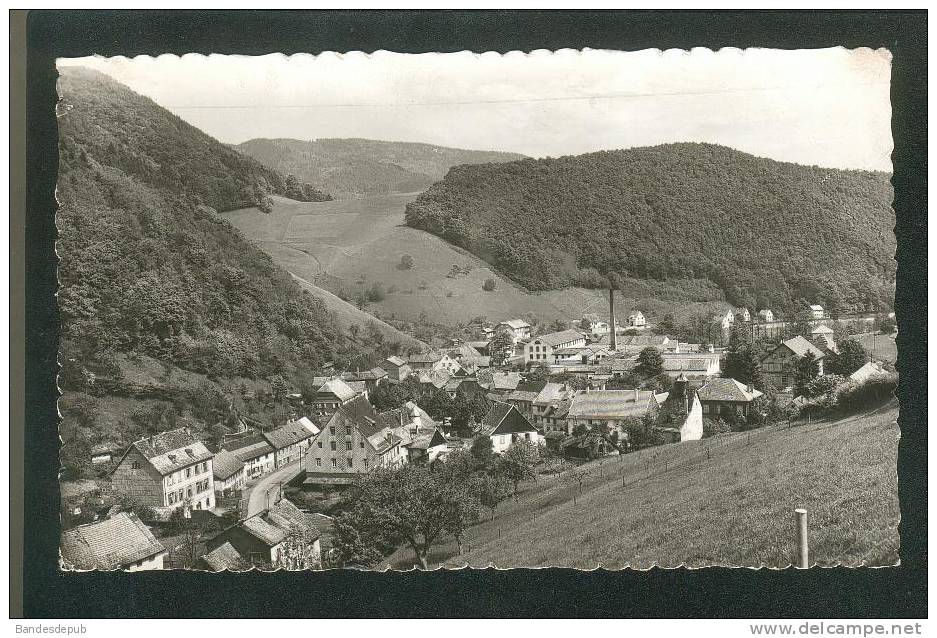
x=803, y=559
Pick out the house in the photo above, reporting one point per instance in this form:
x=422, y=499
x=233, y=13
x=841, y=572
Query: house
x=821, y=329
x=766, y=315
x=524, y=395
x=435, y=380
x=255, y=453
x=229, y=473
x=222, y=558
x=611, y=408
x=868, y=371
x=517, y=328
x=742, y=315
x=826, y=343
x=289, y=442
x=307, y=423
x=726, y=397
x=167, y=470
x=119, y=542
x=397, y=369
x=680, y=413
x=697, y=366
x=504, y=425
x=419, y=434
x=541, y=348
x=725, y=321
x=102, y=453
x=816, y=312
x=433, y=362
x=371, y=378
x=280, y=536
x=353, y=441
x=333, y=394
x=481, y=347
x=499, y=383
x=636, y=319
x=634, y=344
x=779, y=364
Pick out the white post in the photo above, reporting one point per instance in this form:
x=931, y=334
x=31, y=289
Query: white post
x=803, y=561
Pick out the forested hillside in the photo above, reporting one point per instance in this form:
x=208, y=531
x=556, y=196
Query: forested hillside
x=765, y=232
x=358, y=167
x=149, y=271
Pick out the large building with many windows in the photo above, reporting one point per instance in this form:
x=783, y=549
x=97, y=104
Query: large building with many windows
x=169, y=469
x=540, y=349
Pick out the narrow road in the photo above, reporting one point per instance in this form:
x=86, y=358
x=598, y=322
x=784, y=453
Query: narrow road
x=264, y=492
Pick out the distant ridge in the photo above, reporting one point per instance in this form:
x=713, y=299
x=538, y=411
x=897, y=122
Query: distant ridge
x=355, y=167
x=765, y=232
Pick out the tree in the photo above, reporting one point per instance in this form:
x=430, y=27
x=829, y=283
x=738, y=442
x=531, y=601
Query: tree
x=851, y=357
x=406, y=262
x=501, y=347
x=743, y=361
x=805, y=370
x=558, y=325
x=481, y=450
x=585, y=323
x=517, y=463
x=489, y=285
x=402, y=505
x=491, y=489
x=461, y=509
x=650, y=362
x=666, y=326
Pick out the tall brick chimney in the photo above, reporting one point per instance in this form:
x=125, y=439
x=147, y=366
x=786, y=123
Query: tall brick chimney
x=611, y=322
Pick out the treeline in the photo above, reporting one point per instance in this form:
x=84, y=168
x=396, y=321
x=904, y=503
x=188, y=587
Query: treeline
x=105, y=124
x=765, y=232
x=359, y=167
x=146, y=266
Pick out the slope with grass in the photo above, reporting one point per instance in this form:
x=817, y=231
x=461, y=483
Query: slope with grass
x=728, y=500
x=363, y=168
x=348, y=246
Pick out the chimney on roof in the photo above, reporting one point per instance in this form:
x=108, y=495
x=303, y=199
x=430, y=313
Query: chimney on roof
x=611, y=311
x=710, y=348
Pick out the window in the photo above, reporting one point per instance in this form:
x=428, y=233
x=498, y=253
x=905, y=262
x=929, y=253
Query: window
x=332, y=430
x=180, y=495
x=333, y=445
x=366, y=464
x=348, y=445
x=334, y=464
x=135, y=465
x=318, y=462
x=320, y=445
x=188, y=472
x=348, y=430
x=172, y=498
x=351, y=462
x=361, y=444
x=188, y=493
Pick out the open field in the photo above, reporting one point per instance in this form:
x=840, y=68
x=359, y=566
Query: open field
x=728, y=500
x=882, y=347
x=346, y=246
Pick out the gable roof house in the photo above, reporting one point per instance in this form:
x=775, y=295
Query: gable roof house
x=254, y=452
x=228, y=471
x=419, y=434
x=307, y=423
x=397, y=369
x=540, y=349
x=816, y=311
x=722, y=397
x=119, y=542
x=436, y=361
x=332, y=394
x=280, y=536
x=778, y=365
x=167, y=470
x=766, y=315
x=524, y=395
x=611, y=408
x=289, y=442
x=354, y=440
x=371, y=378
x=498, y=383
x=504, y=425
x=517, y=328
x=636, y=319
x=695, y=366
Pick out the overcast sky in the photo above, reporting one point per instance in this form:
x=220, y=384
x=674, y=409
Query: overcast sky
x=827, y=107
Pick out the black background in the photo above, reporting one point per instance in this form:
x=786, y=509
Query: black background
x=723, y=593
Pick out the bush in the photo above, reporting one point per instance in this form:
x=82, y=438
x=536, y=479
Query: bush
x=406, y=262
x=712, y=427
x=826, y=384
x=489, y=285
x=857, y=396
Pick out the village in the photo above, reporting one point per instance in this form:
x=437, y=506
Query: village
x=546, y=400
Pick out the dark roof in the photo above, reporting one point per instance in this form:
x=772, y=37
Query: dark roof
x=504, y=418
x=249, y=447
x=287, y=435
x=223, y=557
x=226, y=464
x=109, y=544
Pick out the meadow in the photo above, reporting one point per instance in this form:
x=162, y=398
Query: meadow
x=727, y=500
x=348, y=246
x=881, y=347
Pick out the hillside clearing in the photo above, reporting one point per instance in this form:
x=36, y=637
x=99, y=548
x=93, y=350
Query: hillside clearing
x=346, y=246
x=728, y=500
x=881, y=347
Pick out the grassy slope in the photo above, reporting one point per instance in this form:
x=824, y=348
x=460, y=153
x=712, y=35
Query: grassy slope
x=882, y=347
x=350, y=244
x=735, y=508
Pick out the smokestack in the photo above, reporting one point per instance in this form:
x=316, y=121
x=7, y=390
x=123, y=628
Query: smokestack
x=611, y=312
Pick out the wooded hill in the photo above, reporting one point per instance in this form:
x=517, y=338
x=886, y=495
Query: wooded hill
x=169, y=315
x=359, y=167
x=765, y=232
